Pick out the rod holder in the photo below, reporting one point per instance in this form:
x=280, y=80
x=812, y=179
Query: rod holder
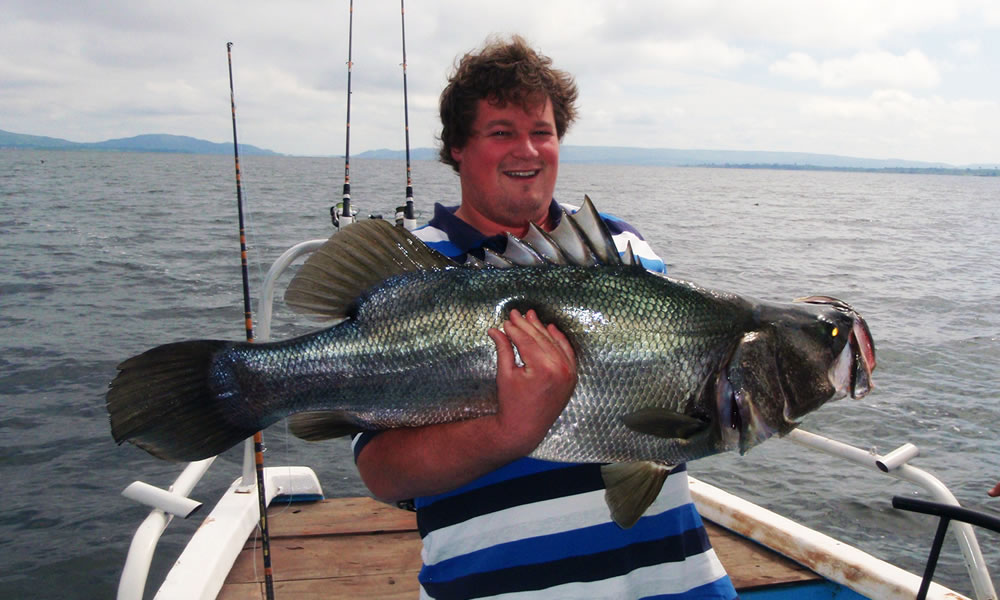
x=897, y=458
x=168, y=502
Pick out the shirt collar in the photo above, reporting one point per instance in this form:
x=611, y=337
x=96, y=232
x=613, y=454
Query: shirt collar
x=467, y=238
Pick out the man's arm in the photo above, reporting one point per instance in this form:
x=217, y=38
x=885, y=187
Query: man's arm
x=405, y=463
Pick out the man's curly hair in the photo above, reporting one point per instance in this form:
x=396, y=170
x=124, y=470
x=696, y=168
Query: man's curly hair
x=502, y=72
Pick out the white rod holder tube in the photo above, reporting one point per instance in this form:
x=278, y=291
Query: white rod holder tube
x=897, y=458
x=168, y=502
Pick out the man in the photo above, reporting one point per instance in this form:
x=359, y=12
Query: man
x=492, y=521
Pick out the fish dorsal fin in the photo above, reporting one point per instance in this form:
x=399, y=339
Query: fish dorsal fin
x=492, y=259
x=353, y=260
x=473, y=262
x=596, y=233
x=629, y=489
x=581, y=238
x=629, y=257
x=567, y=236
x=544, y=245
x=521, y=253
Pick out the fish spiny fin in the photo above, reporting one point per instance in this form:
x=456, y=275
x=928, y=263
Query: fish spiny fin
x=544, y=245
x=522, y=254
x=570, y=240
x=629, y=489
x=581, y=238
x=629, y=257
x=355, y=259
x=323, y=425
x=162, y=401
x=492, y=259
x=596, y=233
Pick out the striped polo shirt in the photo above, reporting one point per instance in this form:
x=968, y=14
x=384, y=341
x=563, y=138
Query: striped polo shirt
x=540, y=529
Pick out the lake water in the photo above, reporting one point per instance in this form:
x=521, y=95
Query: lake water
x=107, y=254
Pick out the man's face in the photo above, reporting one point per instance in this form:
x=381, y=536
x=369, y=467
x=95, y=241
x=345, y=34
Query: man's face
x=508, y=167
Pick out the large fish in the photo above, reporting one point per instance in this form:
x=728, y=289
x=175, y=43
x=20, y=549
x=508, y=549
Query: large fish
x=667, y=371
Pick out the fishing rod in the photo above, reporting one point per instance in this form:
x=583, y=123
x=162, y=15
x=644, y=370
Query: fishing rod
x=409, y=220
x=345, y=217
x=258, y=438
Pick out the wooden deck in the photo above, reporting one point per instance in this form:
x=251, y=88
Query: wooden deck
x=361, y=548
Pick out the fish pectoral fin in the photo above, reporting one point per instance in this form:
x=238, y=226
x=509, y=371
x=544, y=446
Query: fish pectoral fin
x=629, y=489
x=664, y=423
x=323, y=425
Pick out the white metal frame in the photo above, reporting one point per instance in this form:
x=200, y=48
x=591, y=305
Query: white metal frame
x=205, y=562
x=895, y=465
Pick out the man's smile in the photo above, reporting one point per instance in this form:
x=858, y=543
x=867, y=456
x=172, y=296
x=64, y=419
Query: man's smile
x=522, y=174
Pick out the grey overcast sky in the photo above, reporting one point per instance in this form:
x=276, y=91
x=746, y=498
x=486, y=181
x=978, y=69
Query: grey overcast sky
x=908, y=79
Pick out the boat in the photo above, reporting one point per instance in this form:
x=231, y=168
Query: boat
x=361, y=548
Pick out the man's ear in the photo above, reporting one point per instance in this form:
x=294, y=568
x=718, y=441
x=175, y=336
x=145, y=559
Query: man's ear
x=456, y=154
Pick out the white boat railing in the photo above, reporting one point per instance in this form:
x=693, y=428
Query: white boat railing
x=140, y=555
x=895, y=465
x=147, y=536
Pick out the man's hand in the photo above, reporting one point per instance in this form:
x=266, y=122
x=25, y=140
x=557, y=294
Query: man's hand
x=533, y=394
x=995, y=491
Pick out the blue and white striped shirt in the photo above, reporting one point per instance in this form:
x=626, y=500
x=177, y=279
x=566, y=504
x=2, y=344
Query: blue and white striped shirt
x=542, y=529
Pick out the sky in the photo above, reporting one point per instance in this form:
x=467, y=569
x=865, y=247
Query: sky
x=907, y=79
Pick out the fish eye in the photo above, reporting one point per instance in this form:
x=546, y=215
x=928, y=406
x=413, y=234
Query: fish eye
x=834, y=331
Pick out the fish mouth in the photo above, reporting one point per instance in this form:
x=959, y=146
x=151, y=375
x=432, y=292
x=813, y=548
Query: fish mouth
x=853, y=369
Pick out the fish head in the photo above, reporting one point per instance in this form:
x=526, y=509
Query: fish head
x=792, y=359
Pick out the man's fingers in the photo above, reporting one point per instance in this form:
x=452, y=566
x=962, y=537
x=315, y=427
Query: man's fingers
x=560, y=340
x=505, y=350
x=529, y=336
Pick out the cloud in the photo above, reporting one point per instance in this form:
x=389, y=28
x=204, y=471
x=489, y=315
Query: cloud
x=967, y=48
x=761, y=74
x=877, y=69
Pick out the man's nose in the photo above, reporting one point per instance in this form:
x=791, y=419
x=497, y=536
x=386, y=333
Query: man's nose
x=525, y=147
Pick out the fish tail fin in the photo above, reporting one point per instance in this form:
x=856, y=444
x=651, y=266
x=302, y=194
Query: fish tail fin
x=162, y=401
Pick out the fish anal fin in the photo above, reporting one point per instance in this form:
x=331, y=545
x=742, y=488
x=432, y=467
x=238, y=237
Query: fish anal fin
x=629, y=489
x=314, y=426
x=664, y=423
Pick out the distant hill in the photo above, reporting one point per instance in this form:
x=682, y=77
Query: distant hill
x=669, y=157
x=608, y=155
x=156, y=142
x=674, y=157
x=386, y=154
